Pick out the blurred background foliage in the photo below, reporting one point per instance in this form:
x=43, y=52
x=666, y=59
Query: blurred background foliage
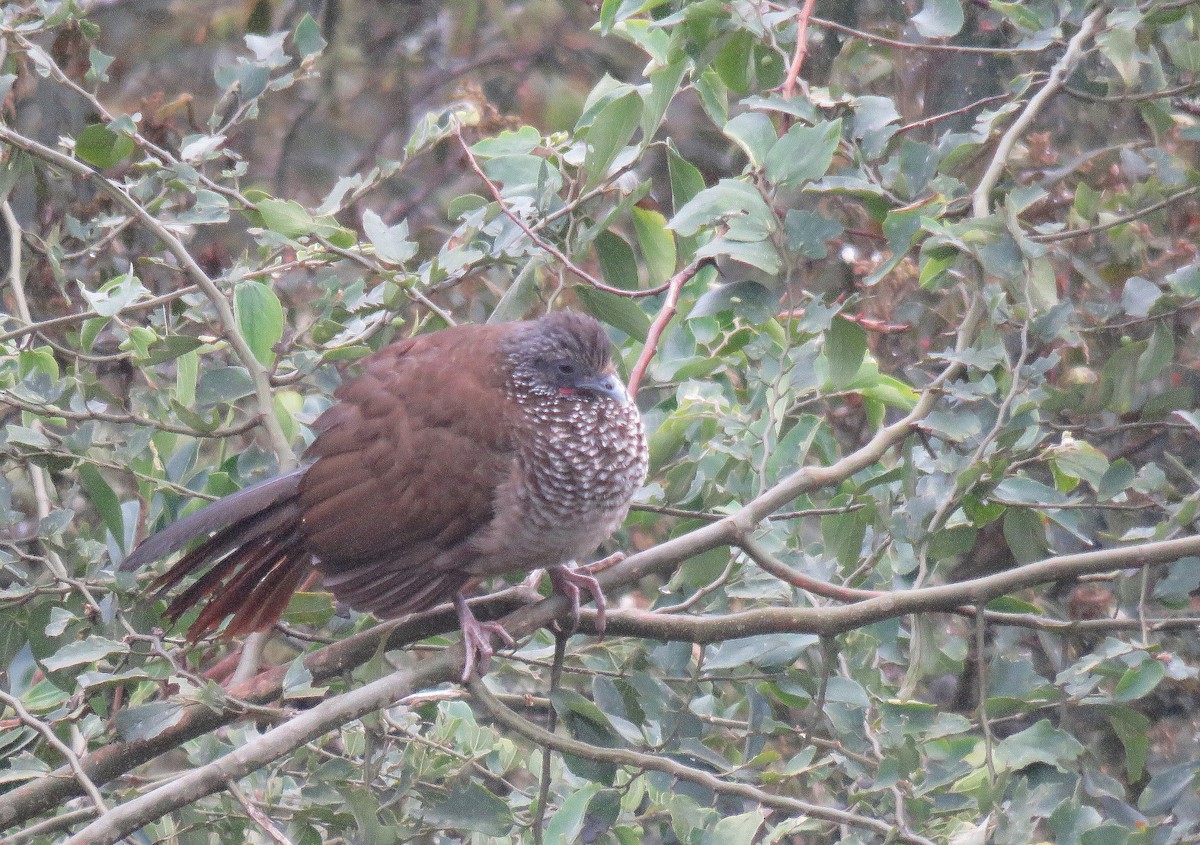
x=908, y=289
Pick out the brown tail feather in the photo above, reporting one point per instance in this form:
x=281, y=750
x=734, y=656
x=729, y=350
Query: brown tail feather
x=254, y=560
x=255, y=594
x=225, y=551
x=219, y=516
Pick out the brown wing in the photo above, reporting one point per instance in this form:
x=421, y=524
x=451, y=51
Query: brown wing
x=407, y=466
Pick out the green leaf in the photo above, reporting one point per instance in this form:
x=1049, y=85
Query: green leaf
x=804, y=153
x=259, y=317
x=735, y=830
x=148, y=720
x=392, y=245
x=566, y=824
x=100, y=147
x=307, y=37
x=735, y=203
x=1181, y=580
x=297, y=682
x=1042, y=743
x=755, y=133
x=618, y=311
x=522, y=141
x=843, y=533
x=587, y=723
x=1139, y=296
x=657, y=244
x=760, y=254
x=114, y=295
x=939, y=18
x=1186, y=54
x=749, y=300
x=664, y=85
x=1159, y=353
x=686, y=180
x=83, y=651
x=1138, y=681
x=808, y=231
x=1167, y=787
x=845, y=346
x=469, y=807
x=1079, y=459
x=169, y=348
x=767, y=651
x=1025, y=535
x=1116, y=479
x=286, y=217
x=223, y=384
x=98, y=66
x=734, y=63
x=618, y=264
x=610, y=131
x=104, y=499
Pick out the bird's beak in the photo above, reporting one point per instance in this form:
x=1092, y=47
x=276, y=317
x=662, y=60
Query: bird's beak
x=607, y=385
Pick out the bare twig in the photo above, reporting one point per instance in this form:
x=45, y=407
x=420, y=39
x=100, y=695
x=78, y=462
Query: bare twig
x=981, y=196
x=665, y=313
x=788, y=89
x=661, y=763
x=1052, y=237
x=258, y=374
x=541, y=242
x=58, y=745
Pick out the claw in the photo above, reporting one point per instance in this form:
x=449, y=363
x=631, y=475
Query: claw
x=477, y=638
x=569, y=582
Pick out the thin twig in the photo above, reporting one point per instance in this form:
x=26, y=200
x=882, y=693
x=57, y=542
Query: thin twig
x=788, y=89
x=58, y=745
x=257, y=815
x=909, y=45
x=556, y=670
x=918, y=124
x=665, y=313
x=661, y=763
x=981, y=677
x=228, y=322
x=1117, y=221
x=981, y=196
x=774, y=566
x=542, y=243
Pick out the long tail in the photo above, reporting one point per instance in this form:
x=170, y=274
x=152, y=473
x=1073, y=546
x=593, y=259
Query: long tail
x=254, y=556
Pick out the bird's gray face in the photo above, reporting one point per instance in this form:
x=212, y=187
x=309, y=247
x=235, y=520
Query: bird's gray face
x=570, y=376
x=566, y=356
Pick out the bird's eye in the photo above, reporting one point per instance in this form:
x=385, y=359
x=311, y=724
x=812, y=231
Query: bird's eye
x=566, y=368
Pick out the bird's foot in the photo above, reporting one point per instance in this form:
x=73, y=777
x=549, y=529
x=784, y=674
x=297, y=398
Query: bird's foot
x=477, y=638
x=569, y=582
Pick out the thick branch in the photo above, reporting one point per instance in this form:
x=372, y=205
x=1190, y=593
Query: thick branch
x=275, y=743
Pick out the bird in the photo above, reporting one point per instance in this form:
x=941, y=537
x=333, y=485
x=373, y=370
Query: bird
x=453, y=456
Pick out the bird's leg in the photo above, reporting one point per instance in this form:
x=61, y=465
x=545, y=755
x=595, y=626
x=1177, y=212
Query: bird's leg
x=568, y=582
x=477, y=638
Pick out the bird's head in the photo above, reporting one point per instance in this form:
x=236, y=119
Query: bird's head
x=565, y=354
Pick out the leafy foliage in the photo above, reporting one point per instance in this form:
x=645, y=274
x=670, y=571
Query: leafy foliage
x=915, y=346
